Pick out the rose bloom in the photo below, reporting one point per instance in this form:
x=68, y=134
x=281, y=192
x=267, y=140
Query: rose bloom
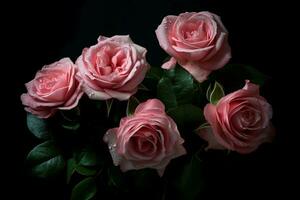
x=147, y=139
x=197, y=41
x=239, y=122
x=113, y=68
x=54, y=87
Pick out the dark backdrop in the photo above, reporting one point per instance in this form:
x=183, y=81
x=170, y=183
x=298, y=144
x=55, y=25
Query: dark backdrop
x=46, y=31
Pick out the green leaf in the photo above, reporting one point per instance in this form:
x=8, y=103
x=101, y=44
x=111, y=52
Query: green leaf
x=73, y=126
x=176, y=87
x=115, y=176
x=165, y=93
x=42, y=152
x=216, y=93
x=86, y=171
x=255, y=76
x=46, y=160
x=38, y=127
x=150, y=81
x=88, y=157
x=202, y=126
x=155, y=73
x=182, y=84
x=50, y=168
x=84, y=190
x=70, y=169
x=70, y=119
x=83, y=170
x=109, y=103
x=132, y=103
x=191, y=182
x=143, y=87
x=187, y=115
x=208, y=92
x=70, y=115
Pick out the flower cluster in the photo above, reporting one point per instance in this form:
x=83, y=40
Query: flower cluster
x=142, y=115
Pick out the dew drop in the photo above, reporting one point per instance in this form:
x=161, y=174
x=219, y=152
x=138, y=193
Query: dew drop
x=92, y=94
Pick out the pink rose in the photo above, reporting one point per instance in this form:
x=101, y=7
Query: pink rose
x=197, y=41
x=54, y=87
x=240, y=121
x=147, y=139
x=113, y=68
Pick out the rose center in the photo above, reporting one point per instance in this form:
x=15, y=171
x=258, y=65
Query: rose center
x=196, y=31
x=109, y=60
x=249, y=118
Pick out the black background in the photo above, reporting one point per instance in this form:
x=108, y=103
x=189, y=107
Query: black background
x=43, y=32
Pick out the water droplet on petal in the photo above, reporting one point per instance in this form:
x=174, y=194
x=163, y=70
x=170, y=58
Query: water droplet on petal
x=92, y=94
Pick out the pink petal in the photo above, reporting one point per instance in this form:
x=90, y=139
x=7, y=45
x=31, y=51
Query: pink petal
x=207, y=134
x=267, y=135
x=178, y=151
x=34, y=103
x=45, y=112
x=211, y=117
x=120, y=95
x=193, y=54
x=123, y=39
x=74, y=99
x=170, y=64
x=219, y=59
x=151, y=104
x=162, y=34
x=101, y=38
x=96, y=95
x=219, y=22
x=195, y=70
x=135, y=77
x=251, y=87
x=110, y=138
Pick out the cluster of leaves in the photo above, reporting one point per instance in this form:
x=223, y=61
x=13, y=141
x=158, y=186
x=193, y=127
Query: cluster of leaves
x=73, y=146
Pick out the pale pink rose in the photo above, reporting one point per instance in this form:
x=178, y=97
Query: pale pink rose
x=54, y=87
x=239, y=122
x=147, y=139
x=197, y=41
x=113, y=68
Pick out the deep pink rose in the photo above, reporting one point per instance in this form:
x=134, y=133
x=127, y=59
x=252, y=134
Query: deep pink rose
x=197, y=41
x=113, y=68
x=147, y=139
x=239, y=122
x=54, y=87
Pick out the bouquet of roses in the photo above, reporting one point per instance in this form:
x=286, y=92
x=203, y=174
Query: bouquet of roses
x=112, y=125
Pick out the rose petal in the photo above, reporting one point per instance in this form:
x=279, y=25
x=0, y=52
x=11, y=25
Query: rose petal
x=162, y=34
x=110, y=139
x=74, y=99
x=211, y=117
x=195, y=70
x=34, y=103
x=42, y=113
x=207, y=135
x=150, y=105
x=194, y=54
x=122, y=96
x=96, y=95
x=170, y=64
x=219, y=59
